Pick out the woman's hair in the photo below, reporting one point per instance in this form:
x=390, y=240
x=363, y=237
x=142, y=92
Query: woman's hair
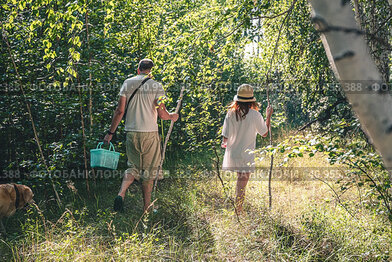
x=241, y=109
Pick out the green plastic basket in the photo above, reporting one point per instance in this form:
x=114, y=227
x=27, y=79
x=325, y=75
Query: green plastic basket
x=104, y=158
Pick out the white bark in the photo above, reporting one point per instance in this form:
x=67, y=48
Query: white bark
x=352, y=64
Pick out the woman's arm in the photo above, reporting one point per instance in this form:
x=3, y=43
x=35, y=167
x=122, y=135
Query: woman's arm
x=269, y=112
x=225, y=131
x=224, y=142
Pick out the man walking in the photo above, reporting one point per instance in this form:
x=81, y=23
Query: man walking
x=141, y=94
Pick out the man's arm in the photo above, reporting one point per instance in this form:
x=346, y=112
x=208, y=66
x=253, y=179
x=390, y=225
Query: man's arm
x=164, y=115
x=117, y=116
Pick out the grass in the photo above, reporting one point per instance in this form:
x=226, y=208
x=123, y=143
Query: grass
x=195, y=221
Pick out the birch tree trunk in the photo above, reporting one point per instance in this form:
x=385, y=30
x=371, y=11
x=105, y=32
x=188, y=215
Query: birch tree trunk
x=375, y=23
x=353, y=66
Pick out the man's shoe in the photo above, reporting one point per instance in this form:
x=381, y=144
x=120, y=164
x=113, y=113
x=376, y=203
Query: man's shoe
x=119, y=204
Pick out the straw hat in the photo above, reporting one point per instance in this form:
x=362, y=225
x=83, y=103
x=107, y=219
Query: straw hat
x=245, y=94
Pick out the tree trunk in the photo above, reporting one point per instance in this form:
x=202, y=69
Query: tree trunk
x=84, y=138
x=352, y=64
x=90, y=103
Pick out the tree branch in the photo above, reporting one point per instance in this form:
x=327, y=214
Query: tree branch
x=217, y=163
x=326, y=114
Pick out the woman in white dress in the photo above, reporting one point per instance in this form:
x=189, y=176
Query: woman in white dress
x=242, y=123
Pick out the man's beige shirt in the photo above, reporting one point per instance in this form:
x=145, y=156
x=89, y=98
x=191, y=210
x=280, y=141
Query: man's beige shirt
x=142, y=114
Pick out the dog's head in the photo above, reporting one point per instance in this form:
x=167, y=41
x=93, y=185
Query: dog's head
x=25, y=195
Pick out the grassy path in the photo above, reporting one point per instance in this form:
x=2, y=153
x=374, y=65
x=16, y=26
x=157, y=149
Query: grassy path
x=195, y=222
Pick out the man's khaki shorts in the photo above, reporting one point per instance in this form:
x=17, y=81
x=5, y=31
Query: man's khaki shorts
x=144, y=155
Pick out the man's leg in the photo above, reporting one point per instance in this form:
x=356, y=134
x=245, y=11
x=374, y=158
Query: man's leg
x=127, y=181
x=134, y=161
x=147, y=189
x=242, y=181
x=151, y=149
x=119, y=200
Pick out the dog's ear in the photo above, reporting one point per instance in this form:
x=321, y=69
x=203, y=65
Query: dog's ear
x=26, y=194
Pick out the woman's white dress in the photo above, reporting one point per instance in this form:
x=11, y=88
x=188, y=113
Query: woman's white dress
x=241, y=139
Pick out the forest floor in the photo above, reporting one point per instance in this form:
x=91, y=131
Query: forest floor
x=196, y=221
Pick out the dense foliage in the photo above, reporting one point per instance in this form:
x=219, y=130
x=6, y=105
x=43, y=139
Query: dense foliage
x=62, y=65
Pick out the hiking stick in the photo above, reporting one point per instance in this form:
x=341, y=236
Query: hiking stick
x=271, y=163
x=167, y=137
x=268, y=100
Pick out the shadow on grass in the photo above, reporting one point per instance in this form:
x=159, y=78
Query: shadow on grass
x=174, y=221
x=290, y=242
x=273, y=236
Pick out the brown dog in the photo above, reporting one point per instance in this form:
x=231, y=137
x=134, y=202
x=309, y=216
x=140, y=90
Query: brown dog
x=13, y=197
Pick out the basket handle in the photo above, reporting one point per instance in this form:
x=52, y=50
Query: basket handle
x=99, y=146
x=111, y=147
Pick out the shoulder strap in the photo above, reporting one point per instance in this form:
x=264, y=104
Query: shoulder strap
x=133, y=94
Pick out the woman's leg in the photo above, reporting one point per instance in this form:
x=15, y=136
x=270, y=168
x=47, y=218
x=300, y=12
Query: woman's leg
x=242, y=180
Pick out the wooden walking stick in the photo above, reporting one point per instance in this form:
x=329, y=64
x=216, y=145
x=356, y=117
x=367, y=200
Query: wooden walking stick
x=268, y=100
x=167, y=138
x=272, y=160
